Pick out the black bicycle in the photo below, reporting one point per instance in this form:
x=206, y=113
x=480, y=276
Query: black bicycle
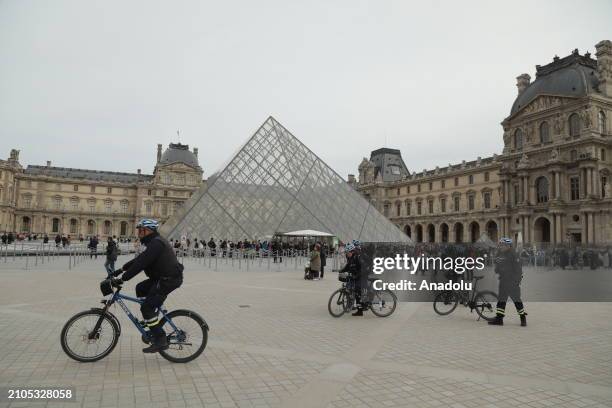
x=381, y=302
x=483, y=302
x=93, y=334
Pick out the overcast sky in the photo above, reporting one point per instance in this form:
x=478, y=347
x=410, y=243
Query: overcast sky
x=97, y=84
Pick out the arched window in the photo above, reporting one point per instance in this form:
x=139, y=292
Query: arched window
x=573, y=155
x=25, y=224
x=542, y=189
x=518, y=139
x=574, y=125
x=55, y=225
x=148, y=207
x=124, y=226
x=601, y=120
x=91, y=227
x=73, y=226
x=544, y=133
x=108, y=226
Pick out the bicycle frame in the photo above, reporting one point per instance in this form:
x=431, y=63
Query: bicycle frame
x=119, y=298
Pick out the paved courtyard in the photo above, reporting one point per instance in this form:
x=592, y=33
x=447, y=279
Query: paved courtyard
x=272, y=343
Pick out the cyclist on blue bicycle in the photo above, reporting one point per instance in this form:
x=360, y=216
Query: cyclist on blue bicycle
x=353, y=267
x=164, y=273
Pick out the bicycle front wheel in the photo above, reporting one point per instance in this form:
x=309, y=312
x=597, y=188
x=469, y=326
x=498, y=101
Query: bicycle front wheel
x=337, y=304
x=188, y=340
x=383, y=303
x=485, y=304
x=445, y=302
x=80, y=342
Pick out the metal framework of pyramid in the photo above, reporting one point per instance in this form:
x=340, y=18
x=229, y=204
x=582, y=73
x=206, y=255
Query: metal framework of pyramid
x=276, y=184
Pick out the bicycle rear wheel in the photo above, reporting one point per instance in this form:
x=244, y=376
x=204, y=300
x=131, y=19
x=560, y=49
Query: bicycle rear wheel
x=79, y=341
x=485, y=304
x=383, y=303
x=445, y=302
x=189, y=339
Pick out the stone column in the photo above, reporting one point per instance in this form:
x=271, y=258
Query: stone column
x=558, y=186
x=584, y=228
x=591, y=228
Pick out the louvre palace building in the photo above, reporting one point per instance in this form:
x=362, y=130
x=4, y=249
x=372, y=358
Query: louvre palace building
x=77, y=202
x=551, y=183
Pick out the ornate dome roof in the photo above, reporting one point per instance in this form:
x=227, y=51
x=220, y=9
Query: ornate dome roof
x=179, y=153
x=573, y=76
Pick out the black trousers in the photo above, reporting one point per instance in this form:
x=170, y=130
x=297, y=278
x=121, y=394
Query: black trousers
x=155, y=293
x=510, y=288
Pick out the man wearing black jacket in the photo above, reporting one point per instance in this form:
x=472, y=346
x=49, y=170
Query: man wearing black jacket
x=510, y=271
x=164, y=273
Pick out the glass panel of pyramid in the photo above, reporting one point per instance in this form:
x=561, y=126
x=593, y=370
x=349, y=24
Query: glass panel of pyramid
x=275, y=184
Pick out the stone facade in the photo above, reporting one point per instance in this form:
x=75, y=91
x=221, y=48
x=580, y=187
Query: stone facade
x=550, y=185
x=77, y=202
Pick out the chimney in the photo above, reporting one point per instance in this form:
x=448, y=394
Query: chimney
x=48, y=163
x=522, y=82
x=195, y=151
x=159, y=146
x=138, y=171
x=603, y=51
x=351, y=178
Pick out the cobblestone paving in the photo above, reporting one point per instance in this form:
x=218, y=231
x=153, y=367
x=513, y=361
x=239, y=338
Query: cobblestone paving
x=273, y=344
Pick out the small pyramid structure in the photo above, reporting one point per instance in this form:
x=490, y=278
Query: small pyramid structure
x=276, y=184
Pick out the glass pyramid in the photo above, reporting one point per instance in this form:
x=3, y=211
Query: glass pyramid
x=276, y=184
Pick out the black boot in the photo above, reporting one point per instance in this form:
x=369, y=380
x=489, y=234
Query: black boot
x=159, y=341
x=359, y=312
x=524, y=319
x=498, y=321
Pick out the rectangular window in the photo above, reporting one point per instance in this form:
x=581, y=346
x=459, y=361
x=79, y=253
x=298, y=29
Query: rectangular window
x=27, y=201
x=486, y=176
x=443, y=183
x=57, y=203
x=408, y=208
x=471, y=202
x=124, y=207
x=164, y=209
x=408, y=189
x=430, y=205
x=75, y=204
x=471, y=179
x=165, y=193
x=149, y=192
x=398, y=210
x=75, y=187
x=109, y=190
x=487, y=200
x=574, y=188
x=418, y=208
x=418, y=188
x=443, y=205
x=386, y=210
x=456, y=181
x=92, y=189
x=456, y=204
x=430, y=186
x=604, y=180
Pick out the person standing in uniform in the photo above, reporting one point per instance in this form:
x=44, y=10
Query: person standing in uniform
x=510, y=271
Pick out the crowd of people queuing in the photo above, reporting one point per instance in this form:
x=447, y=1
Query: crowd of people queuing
x=247, y=247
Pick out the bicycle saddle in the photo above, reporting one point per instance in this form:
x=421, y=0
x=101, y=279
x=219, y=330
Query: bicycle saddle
x=476, y=278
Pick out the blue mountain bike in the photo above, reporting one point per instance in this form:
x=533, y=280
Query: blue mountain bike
x=93, y=334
